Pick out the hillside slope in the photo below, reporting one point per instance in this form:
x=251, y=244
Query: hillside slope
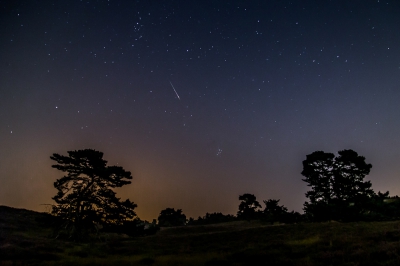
x=25, y=238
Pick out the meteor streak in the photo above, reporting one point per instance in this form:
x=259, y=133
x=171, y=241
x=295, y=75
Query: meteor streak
x=174, y=90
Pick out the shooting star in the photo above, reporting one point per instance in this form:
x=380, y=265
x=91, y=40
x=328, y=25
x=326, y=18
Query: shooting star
x=174, y=90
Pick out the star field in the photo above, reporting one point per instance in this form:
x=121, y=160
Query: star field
x=201, y=100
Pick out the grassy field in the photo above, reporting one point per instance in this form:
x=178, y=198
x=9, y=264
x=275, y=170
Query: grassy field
x=25, y=239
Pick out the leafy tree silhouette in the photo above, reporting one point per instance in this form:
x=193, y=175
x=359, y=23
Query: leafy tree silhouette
x=338, y=190
x=274, y=212
x=171, y=217
x=272, y=207
x=85, y=195
x=248, y=207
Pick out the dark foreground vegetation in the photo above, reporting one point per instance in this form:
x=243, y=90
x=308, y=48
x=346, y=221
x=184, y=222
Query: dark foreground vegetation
x=344, y=222
x=26, y=238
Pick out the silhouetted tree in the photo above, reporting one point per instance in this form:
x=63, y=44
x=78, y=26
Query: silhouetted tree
x=379, y=207
x=170, y=217
x=272, y=207
x=85, y=195
x=382, y=207
x=338, y=189
x=273, y=212
x=248, y=207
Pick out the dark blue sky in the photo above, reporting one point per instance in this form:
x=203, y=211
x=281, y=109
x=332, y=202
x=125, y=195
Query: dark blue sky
x=261, y=84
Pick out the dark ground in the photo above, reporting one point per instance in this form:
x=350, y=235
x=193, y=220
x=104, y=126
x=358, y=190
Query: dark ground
x=26, y=237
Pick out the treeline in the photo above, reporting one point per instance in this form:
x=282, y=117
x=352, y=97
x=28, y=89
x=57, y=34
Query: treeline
x=86, y=202
x=337, y=192
x=249, y=209
x=380, y=207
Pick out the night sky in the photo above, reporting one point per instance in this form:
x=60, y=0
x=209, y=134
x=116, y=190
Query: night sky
x=201, y=100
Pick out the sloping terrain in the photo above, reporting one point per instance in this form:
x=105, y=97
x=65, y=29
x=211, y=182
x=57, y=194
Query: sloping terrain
x=25, y=235
x=26, y=238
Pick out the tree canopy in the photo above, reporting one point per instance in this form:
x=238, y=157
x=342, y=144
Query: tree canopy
x=272, y=207
x=248, y=206
x=85, y=194
x=338, y=189
x=171, y=217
